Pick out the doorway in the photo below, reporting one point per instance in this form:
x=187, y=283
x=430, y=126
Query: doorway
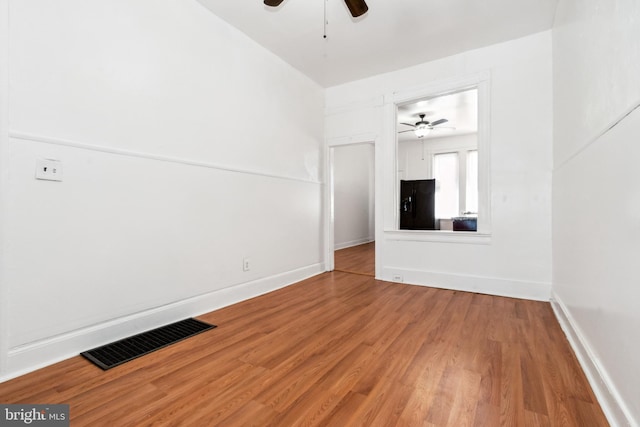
x=359, y=259
x=352, y=205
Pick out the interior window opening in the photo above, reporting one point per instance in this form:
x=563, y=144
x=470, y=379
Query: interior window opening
x=438, y=162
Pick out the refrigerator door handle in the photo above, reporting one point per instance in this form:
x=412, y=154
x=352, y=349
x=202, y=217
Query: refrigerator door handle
x=406, y=205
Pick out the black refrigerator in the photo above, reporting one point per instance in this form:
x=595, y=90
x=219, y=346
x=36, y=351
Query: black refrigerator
x=417, y=204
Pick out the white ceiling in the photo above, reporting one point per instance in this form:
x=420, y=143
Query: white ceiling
x=394, y=34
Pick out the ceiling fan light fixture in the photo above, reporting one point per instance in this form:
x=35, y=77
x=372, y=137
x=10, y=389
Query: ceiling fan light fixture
x=422, y=130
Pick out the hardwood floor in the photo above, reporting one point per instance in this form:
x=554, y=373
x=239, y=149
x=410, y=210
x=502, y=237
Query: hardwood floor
x=340, y=349
x=356, y=259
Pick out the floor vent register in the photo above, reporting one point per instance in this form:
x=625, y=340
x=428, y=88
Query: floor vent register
x=115, y=354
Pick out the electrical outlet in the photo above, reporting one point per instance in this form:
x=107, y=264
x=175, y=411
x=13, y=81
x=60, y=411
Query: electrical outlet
x=398, y=278
x=246, y=264
x=49, y=169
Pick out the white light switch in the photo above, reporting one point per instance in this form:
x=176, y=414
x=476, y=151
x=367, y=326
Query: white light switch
x=49, y=169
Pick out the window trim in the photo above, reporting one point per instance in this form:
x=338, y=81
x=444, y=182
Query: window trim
x=482, y=82
x=462, y=151
x=466, y=179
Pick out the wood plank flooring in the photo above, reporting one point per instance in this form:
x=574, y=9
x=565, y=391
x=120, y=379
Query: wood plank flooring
x=356, y=259
x=340, y=349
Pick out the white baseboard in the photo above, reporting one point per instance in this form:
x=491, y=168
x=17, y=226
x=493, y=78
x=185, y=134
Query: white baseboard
x=351, y=243
x=538, y=291
x=36, y=355
x=607, y=394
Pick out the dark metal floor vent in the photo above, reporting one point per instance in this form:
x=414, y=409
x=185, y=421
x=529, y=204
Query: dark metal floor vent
x=119, y=352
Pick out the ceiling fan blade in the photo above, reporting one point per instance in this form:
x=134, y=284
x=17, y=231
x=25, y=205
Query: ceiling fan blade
x=438, y=122
x=273, y=3
x=408, y=124
x=403, y=131
x=356, y=7
x=442, y=127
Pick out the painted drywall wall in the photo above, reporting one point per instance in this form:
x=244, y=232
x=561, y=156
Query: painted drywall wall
x=354, y=198
x=414, y=156
x=517, y=259
x=4, y=178
x=596, y=201
x=597, y=62
x=185, y=148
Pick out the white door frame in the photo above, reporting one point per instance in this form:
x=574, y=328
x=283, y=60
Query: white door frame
x=329, y=218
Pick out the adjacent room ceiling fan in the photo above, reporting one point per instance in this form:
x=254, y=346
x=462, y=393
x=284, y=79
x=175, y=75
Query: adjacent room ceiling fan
x=356, y=7
x=423, y=127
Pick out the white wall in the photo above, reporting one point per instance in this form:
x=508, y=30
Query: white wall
x=185, y=148
x=4, y=178
x=354, y=198
x=414, y=156
x=596, y=201
x=517, y=259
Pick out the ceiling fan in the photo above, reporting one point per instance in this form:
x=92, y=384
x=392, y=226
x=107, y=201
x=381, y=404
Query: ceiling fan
x=423, y=127
x=356, y=7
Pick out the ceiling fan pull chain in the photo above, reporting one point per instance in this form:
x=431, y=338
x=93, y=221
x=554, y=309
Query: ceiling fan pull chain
x=325, y=19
